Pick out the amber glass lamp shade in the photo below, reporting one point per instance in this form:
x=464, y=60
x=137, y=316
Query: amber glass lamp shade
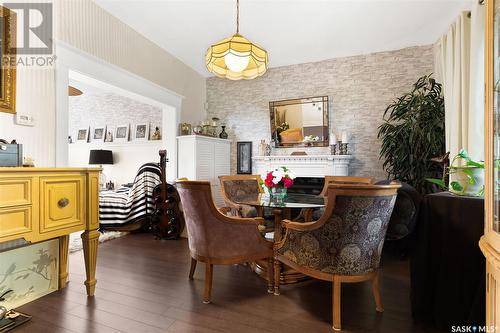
x=236, y=58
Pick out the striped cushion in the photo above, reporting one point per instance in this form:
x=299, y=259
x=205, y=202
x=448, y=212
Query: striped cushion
x=127, y=205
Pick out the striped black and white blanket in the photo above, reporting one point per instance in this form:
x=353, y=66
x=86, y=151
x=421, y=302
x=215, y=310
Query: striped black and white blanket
x=129, y=204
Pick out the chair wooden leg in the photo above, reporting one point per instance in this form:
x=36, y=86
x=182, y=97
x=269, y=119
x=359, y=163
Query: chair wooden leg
x=336, y=302
x=209, y=269
x=270, y=275
x=376, y=293
x=192, y=269
x=277, y=271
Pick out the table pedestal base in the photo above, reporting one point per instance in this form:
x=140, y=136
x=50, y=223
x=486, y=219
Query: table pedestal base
x=287, y=275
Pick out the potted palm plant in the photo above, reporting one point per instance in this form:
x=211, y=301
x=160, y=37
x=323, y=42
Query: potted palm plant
x=413, y=133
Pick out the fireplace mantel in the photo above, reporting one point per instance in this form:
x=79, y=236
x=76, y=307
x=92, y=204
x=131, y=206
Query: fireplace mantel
x=305, y=165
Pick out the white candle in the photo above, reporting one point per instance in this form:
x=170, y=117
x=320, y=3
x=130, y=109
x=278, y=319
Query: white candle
x=345, y=137
x=333, y=139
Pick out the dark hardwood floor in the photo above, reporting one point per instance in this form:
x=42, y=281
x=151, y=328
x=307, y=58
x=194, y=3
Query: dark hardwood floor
x=143, y=286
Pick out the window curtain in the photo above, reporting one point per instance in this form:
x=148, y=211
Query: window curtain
x=459, y=59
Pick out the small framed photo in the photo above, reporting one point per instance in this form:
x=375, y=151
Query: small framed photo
x=121, y=133
x=82, y=135
x=99, y=133
x=244, y=157
x=141, y=132
x=109, y=134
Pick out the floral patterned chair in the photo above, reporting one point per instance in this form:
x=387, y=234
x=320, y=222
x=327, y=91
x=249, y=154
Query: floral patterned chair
x=239, y=188
x=309, y=214
x=345, y=244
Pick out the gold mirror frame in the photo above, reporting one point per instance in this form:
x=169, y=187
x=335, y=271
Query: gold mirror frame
x=8, y=64
x=322, y=100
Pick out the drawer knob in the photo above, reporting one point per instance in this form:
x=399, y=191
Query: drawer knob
x=63, y=202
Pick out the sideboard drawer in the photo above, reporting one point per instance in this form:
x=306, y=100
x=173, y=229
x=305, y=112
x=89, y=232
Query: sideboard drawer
x=15, y=221
x=15, y=192
x=62, y=202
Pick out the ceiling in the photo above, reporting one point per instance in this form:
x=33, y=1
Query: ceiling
x=292, y=31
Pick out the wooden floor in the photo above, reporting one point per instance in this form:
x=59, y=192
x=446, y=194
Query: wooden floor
x=143, y=286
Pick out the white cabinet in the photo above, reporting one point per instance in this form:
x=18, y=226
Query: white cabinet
x=204, y=158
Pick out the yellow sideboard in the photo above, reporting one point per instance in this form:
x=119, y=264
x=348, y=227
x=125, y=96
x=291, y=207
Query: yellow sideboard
x=38, y=204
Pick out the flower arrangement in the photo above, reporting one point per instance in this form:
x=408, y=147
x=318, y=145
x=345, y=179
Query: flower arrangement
x=311, y=138
x=279, y=177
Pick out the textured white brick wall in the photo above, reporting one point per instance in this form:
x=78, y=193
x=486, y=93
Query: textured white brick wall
x=359, y=89
x=100, y=109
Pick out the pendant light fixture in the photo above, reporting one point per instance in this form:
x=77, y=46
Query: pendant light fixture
x=236, y=58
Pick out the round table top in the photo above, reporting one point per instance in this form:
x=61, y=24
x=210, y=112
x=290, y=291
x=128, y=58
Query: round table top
x=292, y=200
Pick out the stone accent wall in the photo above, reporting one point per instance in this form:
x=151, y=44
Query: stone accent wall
x=359, y=90
x=109, y=109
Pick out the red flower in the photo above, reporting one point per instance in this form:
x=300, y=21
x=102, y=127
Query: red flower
x=287, y=182
x=269, y=182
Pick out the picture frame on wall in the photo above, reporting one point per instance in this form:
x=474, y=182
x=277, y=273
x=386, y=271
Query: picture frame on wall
x=99, y=134
x=141, y=132
x=110, y=130
x=82, y=135
x=122, y=133
x=244, y=157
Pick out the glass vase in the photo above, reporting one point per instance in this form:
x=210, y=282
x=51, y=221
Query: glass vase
x=278, y=195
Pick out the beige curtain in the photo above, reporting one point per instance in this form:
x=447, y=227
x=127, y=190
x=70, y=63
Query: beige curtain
x=460, y=68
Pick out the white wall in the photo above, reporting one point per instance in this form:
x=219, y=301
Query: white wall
x=86, y=26
x=128, y=157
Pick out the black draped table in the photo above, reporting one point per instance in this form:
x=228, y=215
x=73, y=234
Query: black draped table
x=447, y=266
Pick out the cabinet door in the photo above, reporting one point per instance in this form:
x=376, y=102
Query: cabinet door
x=62, y=202
x=222, y=160
x=204, y=160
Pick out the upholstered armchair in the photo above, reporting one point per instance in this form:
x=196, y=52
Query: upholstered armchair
x=237, y=188
x=217, y=239
x=329, y=180
x=345, y=244
x=309, y=214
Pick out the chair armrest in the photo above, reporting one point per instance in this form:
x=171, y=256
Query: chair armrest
x=301, y=226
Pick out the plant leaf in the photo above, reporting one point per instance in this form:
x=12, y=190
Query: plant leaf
x=438, y=182
x=457, y=186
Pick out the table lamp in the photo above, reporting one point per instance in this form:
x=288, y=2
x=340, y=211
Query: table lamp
x=100, y=157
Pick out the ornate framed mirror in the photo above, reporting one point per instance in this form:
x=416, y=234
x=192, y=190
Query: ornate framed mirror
x=8, y=63
x=301, y=122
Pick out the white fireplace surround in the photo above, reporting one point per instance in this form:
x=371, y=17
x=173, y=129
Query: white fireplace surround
x=304, y=165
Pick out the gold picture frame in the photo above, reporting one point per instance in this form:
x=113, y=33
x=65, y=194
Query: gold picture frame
x=8, y=61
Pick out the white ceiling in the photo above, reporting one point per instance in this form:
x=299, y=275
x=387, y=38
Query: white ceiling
x=292, y=31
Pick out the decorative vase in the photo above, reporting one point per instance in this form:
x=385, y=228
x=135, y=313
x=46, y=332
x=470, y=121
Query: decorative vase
x=278, y=195
x=223, y=134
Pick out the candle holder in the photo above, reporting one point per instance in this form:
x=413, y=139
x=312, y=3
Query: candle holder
x=343, y=149
x=333, y=149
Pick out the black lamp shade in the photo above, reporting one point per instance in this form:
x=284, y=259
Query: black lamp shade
x=101, y=157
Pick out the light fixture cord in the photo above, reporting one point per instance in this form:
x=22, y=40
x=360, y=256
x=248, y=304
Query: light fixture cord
x=237, y=16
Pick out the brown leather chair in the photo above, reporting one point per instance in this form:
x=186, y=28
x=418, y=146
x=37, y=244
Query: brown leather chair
x=217, y=239
x=240, y=187
x=345, y=244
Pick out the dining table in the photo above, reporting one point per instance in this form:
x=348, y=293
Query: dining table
x=305, y=204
